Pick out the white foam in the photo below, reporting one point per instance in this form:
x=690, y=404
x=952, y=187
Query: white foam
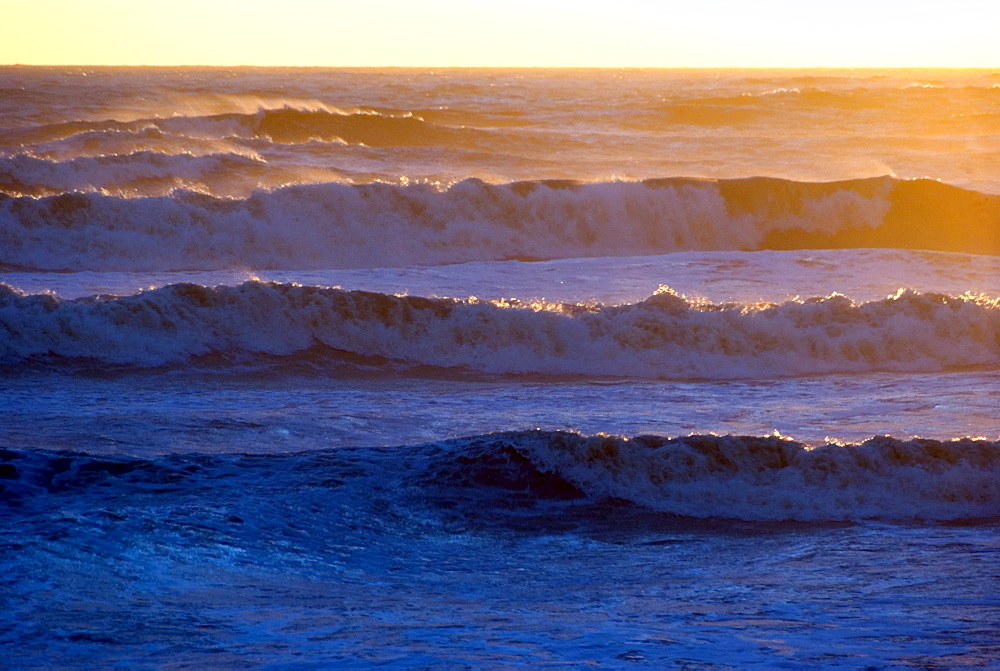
x=129, y=139
x=744, y=277
x=664, y=336
x=382, y=225
x=145, y=171
x=775, y=478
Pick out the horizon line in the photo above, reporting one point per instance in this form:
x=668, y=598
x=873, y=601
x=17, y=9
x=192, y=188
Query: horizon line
x=505, y=67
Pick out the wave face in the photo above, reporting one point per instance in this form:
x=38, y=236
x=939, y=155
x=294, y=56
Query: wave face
x=743, y=477
x=753, y=478
x=372, y=225
x=369, y=128
x=664, y=336
x=147, y=171
x=286, y=125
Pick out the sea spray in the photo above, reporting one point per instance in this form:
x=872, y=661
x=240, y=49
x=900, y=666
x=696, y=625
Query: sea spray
x=664, y=336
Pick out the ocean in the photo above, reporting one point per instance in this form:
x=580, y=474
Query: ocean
x=319, y=368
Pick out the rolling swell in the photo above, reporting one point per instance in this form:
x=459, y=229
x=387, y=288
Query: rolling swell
x=753, y=478
x=286, y=125
x=150, y=172
x=664, y=336
x=291, y=126
x=384, y=225
x=770, y=101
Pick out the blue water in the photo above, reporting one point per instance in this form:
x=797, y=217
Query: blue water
x=321, y=369
x=430, y=557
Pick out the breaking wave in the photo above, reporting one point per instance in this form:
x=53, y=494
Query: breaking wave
x=145, y=171
x=754, y=478
x=546, y=474
x=286, y=125
x=370, y=128
x=384, y=225
x=664, y=336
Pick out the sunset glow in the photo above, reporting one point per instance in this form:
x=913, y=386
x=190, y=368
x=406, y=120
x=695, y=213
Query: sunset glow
x=586, y=33
x=508, y=334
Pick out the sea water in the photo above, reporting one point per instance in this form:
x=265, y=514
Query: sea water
x=313, y=368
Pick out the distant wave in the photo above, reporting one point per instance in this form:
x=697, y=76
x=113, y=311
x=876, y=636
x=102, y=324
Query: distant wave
x=751, y=107
x=372, y=129
x=384, y=225
x=805, y=96
x=145, y=171
x=286, y=125
x=664, y=336
x=550, y=474
x=109, y=143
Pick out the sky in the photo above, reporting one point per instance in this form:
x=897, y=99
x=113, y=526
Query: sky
x=517, y=33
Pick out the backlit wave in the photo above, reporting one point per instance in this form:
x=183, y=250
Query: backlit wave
x=384, y=225
x=756, y=478
x=147, y=172
x=288, y=125
x=664, y=336
x=556, y=477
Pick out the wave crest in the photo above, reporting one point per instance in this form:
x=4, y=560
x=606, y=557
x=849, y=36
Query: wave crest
x=286, y=125
x=290, y=125
x=558, y=474
x=754, y=478
x=380, y=225
x=665, y=336
x=149, y=172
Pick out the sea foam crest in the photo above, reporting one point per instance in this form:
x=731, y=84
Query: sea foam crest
x=379, y=225
x=756, y=478
x=753, y=478
x=288, y=124
x=146, y=171
x=124, y=141
x=664, y=336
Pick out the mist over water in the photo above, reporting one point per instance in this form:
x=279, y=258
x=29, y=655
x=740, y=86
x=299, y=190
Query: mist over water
x=499, y=367
x=318, y=126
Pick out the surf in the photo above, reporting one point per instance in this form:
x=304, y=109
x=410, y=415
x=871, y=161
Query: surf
x=665, y=336
x=509, y=475
x=387, y=225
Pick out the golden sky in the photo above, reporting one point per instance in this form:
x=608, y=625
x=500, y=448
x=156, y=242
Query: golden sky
x=585, y=33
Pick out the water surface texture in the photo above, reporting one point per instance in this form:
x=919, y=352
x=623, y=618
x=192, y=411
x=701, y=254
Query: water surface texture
x=499, y=368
